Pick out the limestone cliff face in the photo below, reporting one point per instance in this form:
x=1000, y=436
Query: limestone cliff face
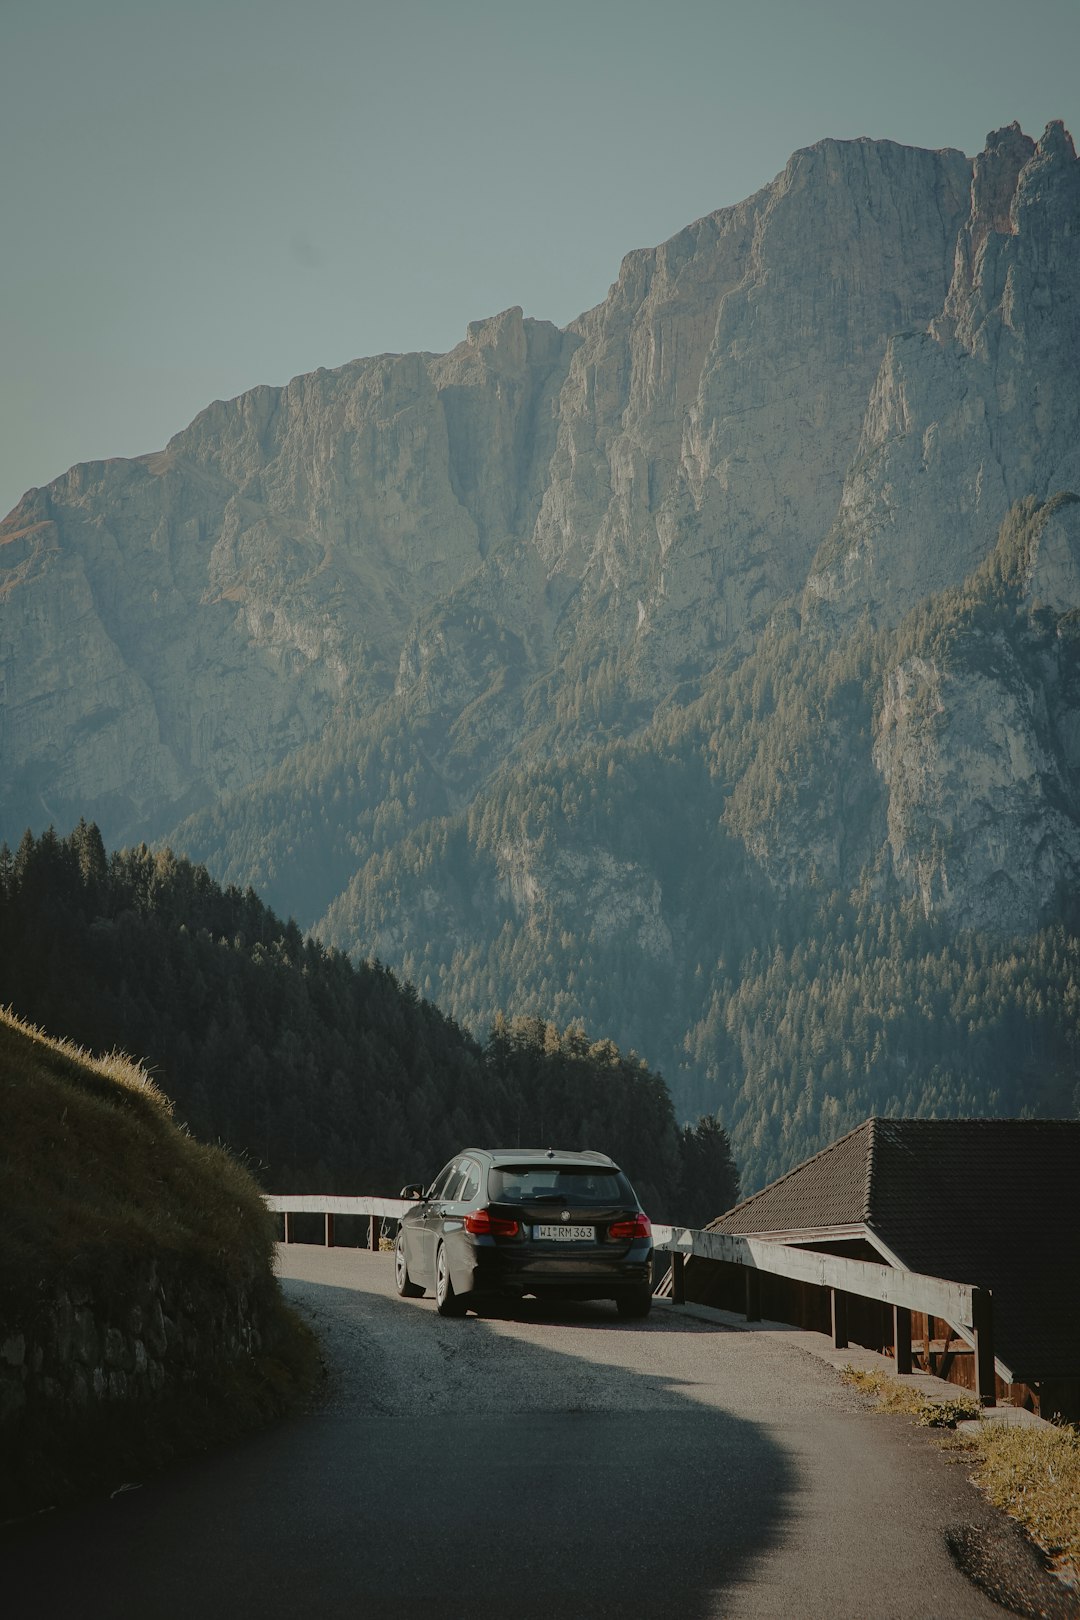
x=689, y=449
x=821, y=403
x=977, y=409
x=981, y=821
x=173, y=625
x=978, y=751
x=716, y=399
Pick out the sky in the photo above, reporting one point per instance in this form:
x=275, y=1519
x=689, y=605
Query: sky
x=200, y=196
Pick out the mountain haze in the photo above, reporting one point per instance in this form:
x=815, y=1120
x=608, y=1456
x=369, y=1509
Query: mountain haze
x=707, y=670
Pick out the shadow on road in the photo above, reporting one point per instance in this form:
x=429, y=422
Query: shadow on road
x=456, y=1471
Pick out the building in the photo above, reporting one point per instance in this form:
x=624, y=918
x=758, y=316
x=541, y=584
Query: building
x=989, y=1202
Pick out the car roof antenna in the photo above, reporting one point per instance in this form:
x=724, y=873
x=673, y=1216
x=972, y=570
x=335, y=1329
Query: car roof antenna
x=551, y=1153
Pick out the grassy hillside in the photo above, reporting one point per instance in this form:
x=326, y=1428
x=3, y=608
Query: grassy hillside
x=90, y=1159
x=100, y=1191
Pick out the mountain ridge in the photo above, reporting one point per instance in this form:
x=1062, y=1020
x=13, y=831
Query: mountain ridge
x=385, y=642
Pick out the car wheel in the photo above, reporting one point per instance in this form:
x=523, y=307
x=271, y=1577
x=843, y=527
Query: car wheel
x=635, y=1301
x=405, y=1285
x=447, y=1303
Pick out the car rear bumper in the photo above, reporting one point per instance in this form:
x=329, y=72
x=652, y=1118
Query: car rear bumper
x=506, y=1270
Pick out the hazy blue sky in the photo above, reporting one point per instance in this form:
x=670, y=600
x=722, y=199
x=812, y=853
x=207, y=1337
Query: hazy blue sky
x=202, y=195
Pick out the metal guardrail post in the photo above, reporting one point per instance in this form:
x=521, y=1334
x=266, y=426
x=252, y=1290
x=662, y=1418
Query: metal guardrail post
x=901, y=1338
x=373, y=1232
x=288, y=1234
x=329, y=1239
x=982, y=1324
x=678, y=1281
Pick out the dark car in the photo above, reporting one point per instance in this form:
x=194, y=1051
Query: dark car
x=515, y=1221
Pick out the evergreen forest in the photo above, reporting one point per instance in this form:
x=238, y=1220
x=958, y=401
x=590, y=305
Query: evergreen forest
x=323, y=1075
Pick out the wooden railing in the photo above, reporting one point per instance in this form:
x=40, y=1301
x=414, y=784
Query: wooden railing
x=327, y=1205
x=968, y=1309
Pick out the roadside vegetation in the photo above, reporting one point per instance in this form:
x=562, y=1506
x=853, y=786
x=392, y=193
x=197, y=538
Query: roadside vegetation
x=1032, y=1473
x=100, y=1188
x=893, y=1396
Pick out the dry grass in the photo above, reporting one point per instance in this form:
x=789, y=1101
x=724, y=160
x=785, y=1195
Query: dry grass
x=893, y=1396
x=92, y=1161
x=1032, y=1473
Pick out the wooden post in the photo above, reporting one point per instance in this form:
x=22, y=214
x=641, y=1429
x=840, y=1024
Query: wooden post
x=982, y=1322
x=901, y=1338
x=678, y=1281
x=373, y=1232
x=329, y=1230
x=753, y=1294
x=838, y=1300
x=288, y=1234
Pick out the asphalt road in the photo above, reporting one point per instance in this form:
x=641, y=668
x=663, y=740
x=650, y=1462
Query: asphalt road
x=557, y=1463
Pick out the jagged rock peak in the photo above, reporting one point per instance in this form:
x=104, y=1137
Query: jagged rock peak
x=505, y=344
x=1056, y=141
x=497, y=331
x=1050, y=180
x=993, y=183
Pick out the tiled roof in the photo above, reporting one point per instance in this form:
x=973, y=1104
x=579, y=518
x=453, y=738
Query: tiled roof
x=828, y=1190
x=994, y=1202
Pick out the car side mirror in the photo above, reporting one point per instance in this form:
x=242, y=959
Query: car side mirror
x=415, y=1189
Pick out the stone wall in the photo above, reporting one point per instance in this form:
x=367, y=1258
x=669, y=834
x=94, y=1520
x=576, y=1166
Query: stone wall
x=94, y=1354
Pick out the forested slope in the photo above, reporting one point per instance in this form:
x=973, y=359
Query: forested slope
x=719, y=890
x=326, y=1076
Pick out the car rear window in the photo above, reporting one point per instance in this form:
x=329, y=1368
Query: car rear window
x=522, y=1184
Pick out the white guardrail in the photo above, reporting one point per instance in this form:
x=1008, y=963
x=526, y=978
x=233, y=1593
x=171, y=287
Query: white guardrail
x=969, y=1310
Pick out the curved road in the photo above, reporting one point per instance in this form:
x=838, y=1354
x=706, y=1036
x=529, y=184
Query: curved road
x=557, y=1463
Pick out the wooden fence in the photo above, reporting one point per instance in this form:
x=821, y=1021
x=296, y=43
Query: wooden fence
x=376, y=1209
x=968, y=1309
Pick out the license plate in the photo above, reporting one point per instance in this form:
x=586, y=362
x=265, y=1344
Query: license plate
x=565, y=1234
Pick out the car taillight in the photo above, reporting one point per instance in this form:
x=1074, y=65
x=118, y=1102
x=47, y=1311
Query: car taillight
x=639, y=1227
x=483, y=1222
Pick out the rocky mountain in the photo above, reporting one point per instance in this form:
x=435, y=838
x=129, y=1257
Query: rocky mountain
x=577, y=672
x=977, y=411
